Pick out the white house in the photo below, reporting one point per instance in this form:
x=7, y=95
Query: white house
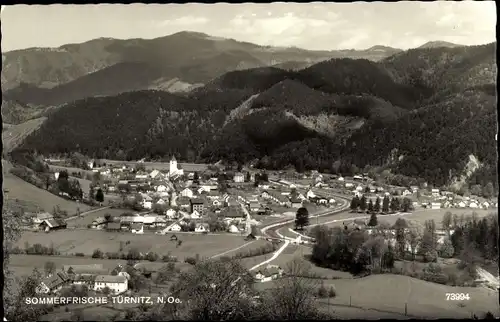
x=239, y=177
x=435, y=192
x=310, y=194
x=141, y=176
x=233, y=229
x=195, y=215
x=406, y=192
x=485, y=205
x=161, y=202
x=147, y=204
x=175, y=227
x=331, y=201
x=187, y=193
x=117, y=284
x=171, y=213
x=161, y=188
x=473, y=205
x=340, y=178
x=137, y=228
x=201, y=228
x=349, y=185
x=462, y=204
x=216, y=203
x=359, y=188
x=435, y=205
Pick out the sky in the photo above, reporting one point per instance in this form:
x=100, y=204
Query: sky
x=313, y=26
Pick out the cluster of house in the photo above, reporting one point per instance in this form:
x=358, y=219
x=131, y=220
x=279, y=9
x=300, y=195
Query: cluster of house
x=94, y=276
x=270, y=272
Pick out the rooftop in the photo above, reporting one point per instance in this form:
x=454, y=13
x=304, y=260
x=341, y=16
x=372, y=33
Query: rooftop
x=110, y=279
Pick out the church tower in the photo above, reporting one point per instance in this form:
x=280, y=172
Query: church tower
x=173, y=165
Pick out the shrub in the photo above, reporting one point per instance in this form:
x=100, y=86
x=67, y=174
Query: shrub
x=430, y=256
x=97, y=254
x=80, y=254
x=190, y=260
x=331, y=292
x=152, y=257
x=322, y=291
x=446, y=250
x=114, y=255
x=17, y=250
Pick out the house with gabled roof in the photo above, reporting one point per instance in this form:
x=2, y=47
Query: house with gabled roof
x=195, y=215
x=40, y=217
x=202, y=228
x=52, y=224
x=53, y=283
x=116, y=284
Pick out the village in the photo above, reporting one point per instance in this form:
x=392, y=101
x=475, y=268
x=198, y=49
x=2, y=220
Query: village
x=193, y=198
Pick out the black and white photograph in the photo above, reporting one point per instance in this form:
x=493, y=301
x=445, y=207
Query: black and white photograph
x=250, y=161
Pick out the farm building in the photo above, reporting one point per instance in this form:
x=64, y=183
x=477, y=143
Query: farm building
x=40, y=217
x=99, y=223
x=269, y=273
x=53, y=283
x=116, y=284
x=52, y=224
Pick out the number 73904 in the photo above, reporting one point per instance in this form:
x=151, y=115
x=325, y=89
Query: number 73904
x=457, y=296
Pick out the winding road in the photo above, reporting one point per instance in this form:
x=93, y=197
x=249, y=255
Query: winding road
x=272, y=231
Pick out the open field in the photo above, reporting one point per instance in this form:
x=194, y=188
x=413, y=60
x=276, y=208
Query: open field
x=86, y=241
x=20, y=189
x=15, y=134
x=58, y=168
x=82, y=222
x=427, y=300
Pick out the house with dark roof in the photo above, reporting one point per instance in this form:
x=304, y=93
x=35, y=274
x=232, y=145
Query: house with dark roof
x=198, y=205
x=99, y=223
x=52, y=224
x=53, y=283
x=40, y=217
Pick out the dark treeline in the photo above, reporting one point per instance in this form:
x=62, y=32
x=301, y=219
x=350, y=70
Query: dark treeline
x=431, y=142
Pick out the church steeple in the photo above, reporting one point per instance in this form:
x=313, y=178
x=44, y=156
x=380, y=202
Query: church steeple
x=173, y=158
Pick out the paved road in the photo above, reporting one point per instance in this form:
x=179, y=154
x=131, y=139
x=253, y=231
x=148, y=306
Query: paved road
x=270, y=230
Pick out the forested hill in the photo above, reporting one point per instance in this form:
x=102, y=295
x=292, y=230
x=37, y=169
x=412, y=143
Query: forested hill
x=337, y=115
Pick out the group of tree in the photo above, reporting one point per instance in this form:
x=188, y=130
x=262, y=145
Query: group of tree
x=349, y=250
x=473, y=237
x=69, y=186
x=384, y=205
